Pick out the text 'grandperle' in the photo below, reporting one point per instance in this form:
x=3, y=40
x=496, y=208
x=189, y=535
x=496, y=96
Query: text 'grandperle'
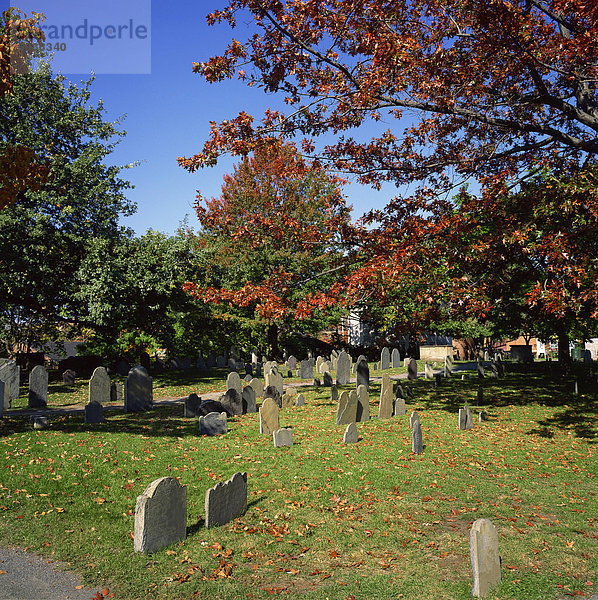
x=96, y=32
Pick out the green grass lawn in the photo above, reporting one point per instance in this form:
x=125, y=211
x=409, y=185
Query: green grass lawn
x=325, y=520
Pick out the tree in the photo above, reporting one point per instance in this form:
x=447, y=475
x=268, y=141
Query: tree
x=491, y=91
x=43, y=236
x=272, y=242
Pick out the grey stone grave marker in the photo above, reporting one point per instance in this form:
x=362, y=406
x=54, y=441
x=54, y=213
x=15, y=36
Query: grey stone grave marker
x=258, y=387
x=363, y=404
x=68, y=377
x=449, y=364
x=334, y=393
x=233, y=381
x=292, y=362
x=94, y=412
x=10, y=374
x=288, y=398
x=385, y=359
x=232, y=402
x=160, y=515
x=386, y=398
x=226, y=500
x=274, y=379
x=306, y=369
x=213, y=423
x=138, y=390
x=363, y=374
x=351, y=435
x=480, y=369
x=269, y=417
x=347, y=408
x=485, y=559
x=248, y=398
x=283, y=437
x=274, y=394
x=414, y=418
x=465, y=418
x=343, y=369
x=99, y=386
x=395, y=358
x=417, y=444
x=38, y=387
x=300, y=400
x=327, y=379
x=192, y=403
x=412, y=369
x=428, y=370
x=399, y=408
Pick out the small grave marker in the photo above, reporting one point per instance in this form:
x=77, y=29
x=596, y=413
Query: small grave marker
x=213, y=424
x=283, y=437
x=226, y=500
x=485, y=559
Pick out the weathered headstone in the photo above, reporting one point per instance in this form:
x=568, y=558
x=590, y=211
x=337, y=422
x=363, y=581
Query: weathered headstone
x=116, y=392
x=160, y=515
x=192, y=404
x=288, y=398
x=68, y=377
x=139, y=395
x=10, y=374
x=327, y=379
x=429, y=371
x=300, y=400
x=283, y=437
x=99, y=386
x=258, y=387
x=306, y=369
x=482, y=416
x=385, y=359
x=414, y=418
x=386, y=398
x=269, y=417
x=226, y=500
x=94, y=412
x=274, y=394
x=292, y=363
x=449, y=363
x=343, y=369
x=480, y=369
x=417, y=444
x=363, y=404
x=334, y=393
x=38, y=387
x=485, y=559
x=232, y=402
x=351, y=435
x=40, y=422
x=363, y=374
x=465, y=418
x=395, y=358
x=233, y=381
x=346, y=411
x=274, y=379
x=500, y=367
x=412, y=369
x=319, y=363
x=211, y=360
x=399, y=408
x=213, y=424
x=248, y=399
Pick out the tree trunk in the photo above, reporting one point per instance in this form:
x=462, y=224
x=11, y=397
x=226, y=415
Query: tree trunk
x=273, y=340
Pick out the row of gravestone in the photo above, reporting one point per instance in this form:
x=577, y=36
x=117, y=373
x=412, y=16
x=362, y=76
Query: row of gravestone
x=161, y=520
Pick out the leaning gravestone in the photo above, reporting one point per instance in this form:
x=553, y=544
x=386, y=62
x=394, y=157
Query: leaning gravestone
x=249, y=400
x=465, y=418
x=385, y=359
x=233, y=381
x=232, y=402
x=485, y=559
x=417, y=444
x=213, y=424
x=346, y=411
x=395, y=358
x=10, y=374
x=269, y=417
x=226, y=500
x=283, y=437
x=38, y=387
x=399, y=407
x=306, y=369
x=94, y=412
x=192, y=404
x=351, y=435
x=99, y=386
x=138, y=390
x=363, y=404
x=386, y=398
x=160, y=515
x=68, y=377
x=412, y=369
x=363, y=374
x=343, y=369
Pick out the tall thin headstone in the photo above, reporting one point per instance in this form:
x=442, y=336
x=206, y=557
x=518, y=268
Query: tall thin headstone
x=386, y=398
x=485, y=559
x=385, y=359
x=363, y=404
x=346, y=411
x=139, y=394
x=306, y=369
x=412, y=369
x=395, y=358
x=465, y=418
x=363, y=374
x=343, y=369
x=10, y=374
x=248, y=398
x=429, y=371
x=480, y=369
x=449, y=364
x=417, y=444
x=38, y=387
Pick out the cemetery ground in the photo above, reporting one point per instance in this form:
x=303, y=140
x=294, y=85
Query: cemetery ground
x=324, y=519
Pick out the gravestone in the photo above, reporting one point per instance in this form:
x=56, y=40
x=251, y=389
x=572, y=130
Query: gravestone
x=99, y=386
x=319, y=363
x=480, y=369
x=482, y=416
x=269, y=417
x=323, y=368
x=500, y=367
x=274, y=379
x=192, y=404
x=395, y=358
x=248, y=398
x=257, y=386
x=480, y=396
x=327, y=379
x=274, y=394
x=429, y=371
x=399, y=408
x=465, y=418
x=417, y=444
x=363, y=374
x=414, y=418
x=386, y=398
x=306, y=369
x=116, y=392
x=10, y=374
x=300, y=400
x=363, y=404
x=288, y=398
x=233, y=381
x=449, y=364
x=248, y=370
x=334, y=393
x=94, y=412
x=247, y=378
x=232, y=402
x=399, y=392
x=268, y=366
x=385, y=359
x=493, y=370
x=160, y=515
x=68, y=377
x=40, y=422
x=38, y=387
x=346, y=411
x=351, y=435
x=292, y=363
x=138, y=390
x=283, y=437
x=485, y=559
x=343, y=369
x=213, y=424
x=412, y=369
x=226, y=500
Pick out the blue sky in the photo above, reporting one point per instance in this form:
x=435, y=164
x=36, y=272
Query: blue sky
x=167, y=111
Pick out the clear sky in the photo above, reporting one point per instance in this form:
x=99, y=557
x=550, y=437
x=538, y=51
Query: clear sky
x=168, y=109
